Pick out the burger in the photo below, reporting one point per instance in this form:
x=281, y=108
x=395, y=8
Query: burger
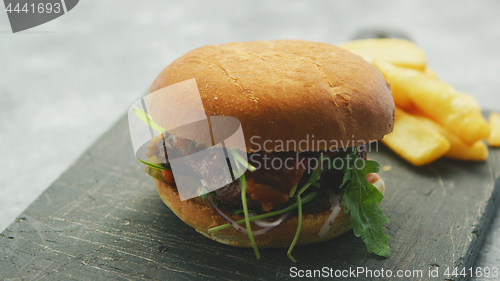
x=309, y=113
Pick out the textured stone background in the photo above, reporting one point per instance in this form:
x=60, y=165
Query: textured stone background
x=66, y=82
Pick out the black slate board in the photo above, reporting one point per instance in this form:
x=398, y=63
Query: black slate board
x=102, y=219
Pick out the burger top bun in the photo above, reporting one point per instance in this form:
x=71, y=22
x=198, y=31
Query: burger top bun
x=287, y=90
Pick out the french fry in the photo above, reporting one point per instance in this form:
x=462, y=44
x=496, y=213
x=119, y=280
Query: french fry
x=458, y=149
x=397, y=80
x=415, y=110
x=415, y=142
x=494, y=139
x=396, y=51
x=472, y=102
x=437, y=100
x=431, y=73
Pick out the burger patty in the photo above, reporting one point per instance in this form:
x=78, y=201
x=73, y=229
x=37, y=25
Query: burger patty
x=268, y=186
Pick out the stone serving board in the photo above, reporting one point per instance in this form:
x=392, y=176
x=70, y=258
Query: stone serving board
x=102, y=219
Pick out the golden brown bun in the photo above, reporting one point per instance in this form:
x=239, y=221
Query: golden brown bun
x=286, y=90
x=201, y=216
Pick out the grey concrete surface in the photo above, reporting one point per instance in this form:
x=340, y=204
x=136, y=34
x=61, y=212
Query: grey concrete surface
x=66, y=82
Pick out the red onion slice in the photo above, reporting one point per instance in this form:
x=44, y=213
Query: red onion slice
x=244, y=230
x=335, y=212
x=230, y=221
x=261, y=231
x=263, y=223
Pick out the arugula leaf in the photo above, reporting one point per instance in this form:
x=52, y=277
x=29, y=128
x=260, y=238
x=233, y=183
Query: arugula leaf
x=347, y=177
x=361, y=198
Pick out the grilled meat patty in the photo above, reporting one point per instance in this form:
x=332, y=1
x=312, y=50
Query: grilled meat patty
x=268, y=186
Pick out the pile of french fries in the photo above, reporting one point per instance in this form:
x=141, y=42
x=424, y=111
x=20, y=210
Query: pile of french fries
x=433, y=119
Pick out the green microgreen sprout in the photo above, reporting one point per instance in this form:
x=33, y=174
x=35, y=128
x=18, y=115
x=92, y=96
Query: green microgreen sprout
x=292, y=191
x=148, y=120
x=154, y=166
x=305, y=200
x=247, y=217
x=299, y=226
x=238, y=158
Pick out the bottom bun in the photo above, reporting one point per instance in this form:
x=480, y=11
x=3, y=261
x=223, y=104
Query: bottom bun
x=201, y=216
